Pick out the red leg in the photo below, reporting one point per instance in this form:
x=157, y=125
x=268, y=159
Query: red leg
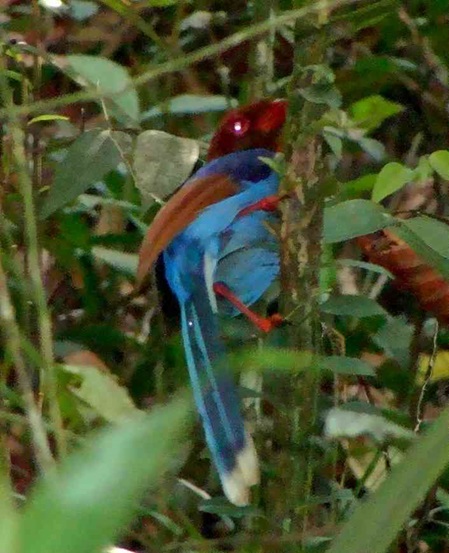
x=266, y=324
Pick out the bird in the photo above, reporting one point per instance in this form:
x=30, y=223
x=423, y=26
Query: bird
x=220, y=255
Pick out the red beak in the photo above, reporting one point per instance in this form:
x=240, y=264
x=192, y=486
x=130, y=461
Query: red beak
x=182, y=208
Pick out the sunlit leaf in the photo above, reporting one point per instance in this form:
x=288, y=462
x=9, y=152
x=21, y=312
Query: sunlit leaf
x=98, y=387
x=439, y=161
x=344, y=422
x=371, y=112
x=391, y=178
x=48, y=117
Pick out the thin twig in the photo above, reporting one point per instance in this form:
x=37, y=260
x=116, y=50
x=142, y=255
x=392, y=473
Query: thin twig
x=427, y=379
x=181, y=62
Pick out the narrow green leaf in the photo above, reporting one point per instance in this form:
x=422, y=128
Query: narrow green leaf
x=376, y=522
x=391, y=178
x=83, y=506
x=48, y=117
x=353, y=218
x=353, y=306
x=347, y=365
x=89, y=158
x=108, y=78
x=439, y=161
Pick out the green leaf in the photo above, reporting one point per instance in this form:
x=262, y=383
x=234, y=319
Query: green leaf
x=431, y=231
x=399, y=495
x=353, y=218
x=85, y=505
x=162, y=162
x=187, y=104
x=391, y=178
x=161, y=3
x=356, y=187
x=353, y=306
x=101, y=391
x=370, y=112
x=123, y=262
x=112, y=82
x=89, y=158
x=347, y=365
x=439, y=161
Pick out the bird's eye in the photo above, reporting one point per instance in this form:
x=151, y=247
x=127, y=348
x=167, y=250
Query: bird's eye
x=239, y=126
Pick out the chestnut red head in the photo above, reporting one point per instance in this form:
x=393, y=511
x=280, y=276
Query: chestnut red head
x=257, y=125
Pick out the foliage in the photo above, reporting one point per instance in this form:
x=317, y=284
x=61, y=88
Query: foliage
x=106, y=108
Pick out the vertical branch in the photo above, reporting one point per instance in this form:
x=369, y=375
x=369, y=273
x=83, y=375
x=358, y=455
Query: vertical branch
x=301, y=231
x=11, y=333
x=37, y=287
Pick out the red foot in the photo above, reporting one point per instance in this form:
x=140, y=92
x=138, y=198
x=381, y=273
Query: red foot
x=269, y=204
x=266, y=324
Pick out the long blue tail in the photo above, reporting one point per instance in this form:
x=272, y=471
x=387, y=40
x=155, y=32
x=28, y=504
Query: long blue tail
x=216, y=398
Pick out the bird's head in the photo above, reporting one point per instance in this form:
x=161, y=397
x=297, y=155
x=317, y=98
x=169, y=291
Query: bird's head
x=258, y=125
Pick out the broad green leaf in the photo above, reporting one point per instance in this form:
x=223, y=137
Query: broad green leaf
x=347, y=365
x=187, y=104
x=89, y=158
x=101, y=391
x=391, y=178
x=344, y=422
x=353, y=218
x=162, y=162
x=124, y=262
x=353, y=306
x=431, y=231
x=439, y=161
x=370, y=112
x=426, y=252
x=399, y=495
x=85, y=505
x=112, y=82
